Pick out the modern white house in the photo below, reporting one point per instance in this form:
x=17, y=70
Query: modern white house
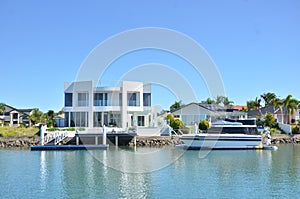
x=195, y=112
x=124, y=106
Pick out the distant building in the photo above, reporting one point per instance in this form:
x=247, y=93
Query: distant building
x=280, y=115
x=124, y=106
x=240, y=107
x=14, y=116
x=196, y=112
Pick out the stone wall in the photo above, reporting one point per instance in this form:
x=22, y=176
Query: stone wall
x=19, y=142
x=156, y=141
x=285, y=139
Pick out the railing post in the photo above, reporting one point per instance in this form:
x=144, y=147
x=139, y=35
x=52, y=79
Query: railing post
x=104, y=135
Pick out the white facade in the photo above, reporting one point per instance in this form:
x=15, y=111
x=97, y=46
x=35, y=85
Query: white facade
x=125, y=106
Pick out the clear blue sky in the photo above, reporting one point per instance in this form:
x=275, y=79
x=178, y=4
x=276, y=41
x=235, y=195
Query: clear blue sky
x=255, y=44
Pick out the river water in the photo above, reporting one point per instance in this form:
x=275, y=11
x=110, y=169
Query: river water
x=150, y=173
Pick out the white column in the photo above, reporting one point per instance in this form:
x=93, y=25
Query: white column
x=104, y=135
x=42, y=133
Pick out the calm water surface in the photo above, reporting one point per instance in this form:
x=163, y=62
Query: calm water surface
x=150, y=173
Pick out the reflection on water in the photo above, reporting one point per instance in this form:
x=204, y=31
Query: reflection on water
x=139, y=160
x=43, y=171
x=89, y=174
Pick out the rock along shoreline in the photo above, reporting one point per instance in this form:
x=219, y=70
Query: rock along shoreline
x=141, y=141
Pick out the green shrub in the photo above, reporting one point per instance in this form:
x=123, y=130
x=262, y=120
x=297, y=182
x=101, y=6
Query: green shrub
x=22, y=125
x=65, y=129
x=273, y=131
x=204, y=125
x=52, y=129
x=296, y=129
x=270, y=121
x=175, y=123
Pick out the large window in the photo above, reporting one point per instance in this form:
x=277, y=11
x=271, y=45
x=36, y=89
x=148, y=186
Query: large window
x=15, y=116
x=115, y=119
x=67, y=119
x=83, y=99
x=141, y=120
x=100, y=99
x=98, y=119
x=68, y=99
x=79, y=119
x=133, y=99
x=146, y=99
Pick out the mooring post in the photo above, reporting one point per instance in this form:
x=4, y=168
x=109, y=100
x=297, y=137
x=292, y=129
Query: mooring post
x=116, y=140
x=104, y=135
x=134, y=140
x=77, y=139
x=96, y=140
x=42, y=133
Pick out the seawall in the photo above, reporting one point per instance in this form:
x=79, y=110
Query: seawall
x=19, y=142
x=153, y=141
x=156, y=141
x=285, y=139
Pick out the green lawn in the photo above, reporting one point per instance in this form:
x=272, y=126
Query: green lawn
x=18, y=131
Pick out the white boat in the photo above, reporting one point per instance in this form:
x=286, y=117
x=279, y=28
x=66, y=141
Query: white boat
x=226, y=135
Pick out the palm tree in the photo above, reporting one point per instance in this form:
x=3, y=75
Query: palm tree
x=176, y=105
x=219, y=99
x=2, y=109
x=222, y=100
x=251, y=105
x=286, y=103
x=268, y=98
x=227, y=102
x=291, y=105
x=257, y=104
x=278, y=103
x=36, y=116
x=209, y=101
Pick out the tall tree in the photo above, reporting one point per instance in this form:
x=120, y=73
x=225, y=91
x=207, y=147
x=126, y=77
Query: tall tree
x=268, y=98
x=36, y=116
x=219, y=99
x=209, y=101
x=291, y=105
x=2, y=109
x=49, y=118
x=223, y=100
x=251, y=105
x=278, y=103
x=257, y=104
x=176, y=105
x=227, y=102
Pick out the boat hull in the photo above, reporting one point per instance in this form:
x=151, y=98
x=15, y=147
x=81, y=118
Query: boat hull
x=221, y=141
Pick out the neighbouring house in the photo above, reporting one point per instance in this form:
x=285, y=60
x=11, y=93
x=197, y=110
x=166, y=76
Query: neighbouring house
x=195, y=112
x=124, y=106
x=282, y=116
x=59, y=121
x=240, y=107
x=14, y=117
